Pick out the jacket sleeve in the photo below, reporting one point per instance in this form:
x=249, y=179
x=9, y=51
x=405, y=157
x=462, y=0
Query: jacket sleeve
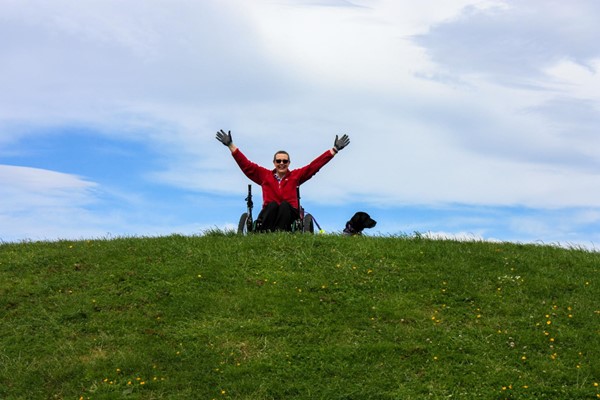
x=253, y=171
x=315, y=165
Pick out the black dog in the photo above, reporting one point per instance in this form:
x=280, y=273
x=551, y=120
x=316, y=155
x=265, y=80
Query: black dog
x=358, y=222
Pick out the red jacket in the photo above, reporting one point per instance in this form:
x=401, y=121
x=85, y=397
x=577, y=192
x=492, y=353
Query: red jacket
x=272, y=189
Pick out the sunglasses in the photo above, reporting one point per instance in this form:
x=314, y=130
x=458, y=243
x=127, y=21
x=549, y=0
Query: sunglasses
x=278, y=161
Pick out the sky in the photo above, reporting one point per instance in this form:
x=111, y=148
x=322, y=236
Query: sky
x=468, y=119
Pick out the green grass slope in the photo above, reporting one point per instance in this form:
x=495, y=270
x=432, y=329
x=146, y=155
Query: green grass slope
x=285, y=316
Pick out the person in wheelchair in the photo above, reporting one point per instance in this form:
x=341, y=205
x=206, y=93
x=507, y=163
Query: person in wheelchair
x=280, y=206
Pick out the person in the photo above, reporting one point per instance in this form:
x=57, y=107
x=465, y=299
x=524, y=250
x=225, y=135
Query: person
x=280, y=207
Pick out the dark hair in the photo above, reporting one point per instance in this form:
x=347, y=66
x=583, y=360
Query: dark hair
x=281, y=152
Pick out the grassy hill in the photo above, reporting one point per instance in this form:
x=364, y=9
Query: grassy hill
x=284, y=316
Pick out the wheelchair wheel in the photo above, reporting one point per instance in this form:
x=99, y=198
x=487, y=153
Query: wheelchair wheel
x=308, y=224
x=245, y=225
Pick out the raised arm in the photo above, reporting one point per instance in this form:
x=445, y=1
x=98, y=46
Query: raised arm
x=308, y=171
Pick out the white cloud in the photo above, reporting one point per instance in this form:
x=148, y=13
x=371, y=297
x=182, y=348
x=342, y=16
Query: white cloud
x=366, y=47
x=22, y=187
x=577, y=80
x=41, y=203
x=515, y=42
x=102, y=62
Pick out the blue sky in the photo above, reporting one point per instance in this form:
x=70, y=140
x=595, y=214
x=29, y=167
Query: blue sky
x=468, y=119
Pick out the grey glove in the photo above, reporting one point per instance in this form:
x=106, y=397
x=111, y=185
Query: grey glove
x=224, y=138
x=341, y=142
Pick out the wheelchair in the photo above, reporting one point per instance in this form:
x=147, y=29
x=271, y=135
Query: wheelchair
x=305, y=223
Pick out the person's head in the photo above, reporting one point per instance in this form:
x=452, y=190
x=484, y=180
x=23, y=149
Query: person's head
x=281, y=161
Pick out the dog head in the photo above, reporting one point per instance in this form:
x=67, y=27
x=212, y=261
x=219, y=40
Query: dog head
x=359, y=221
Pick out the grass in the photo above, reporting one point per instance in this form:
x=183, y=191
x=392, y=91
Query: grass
x=283, y=316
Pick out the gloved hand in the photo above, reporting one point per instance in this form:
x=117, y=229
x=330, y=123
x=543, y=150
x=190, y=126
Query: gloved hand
x=224, y=138
x=340, y=143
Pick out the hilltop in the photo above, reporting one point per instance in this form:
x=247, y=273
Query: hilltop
x=284, y=316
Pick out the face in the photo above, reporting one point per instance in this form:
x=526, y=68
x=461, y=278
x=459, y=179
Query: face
x=281, y=162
